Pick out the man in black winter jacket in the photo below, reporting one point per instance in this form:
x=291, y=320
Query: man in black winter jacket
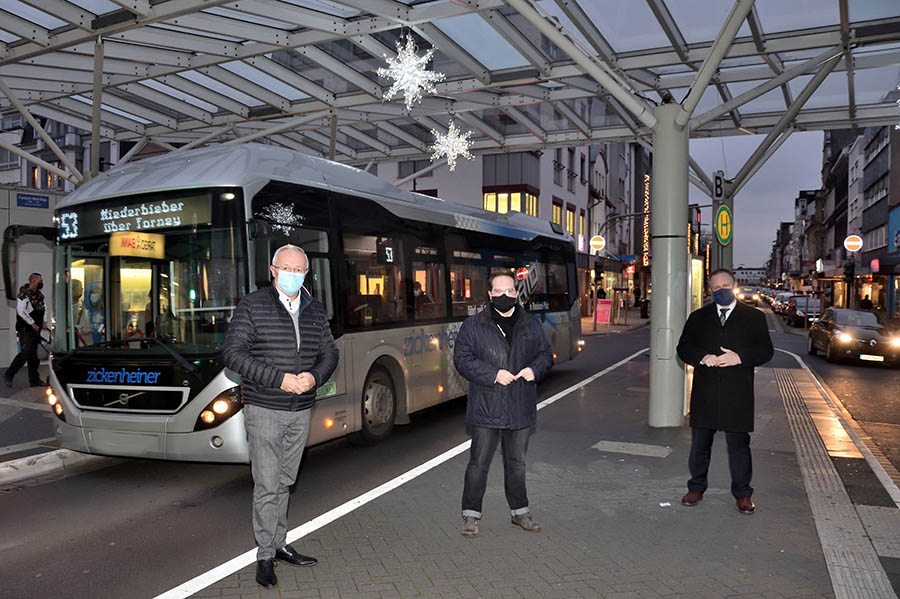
x=503, y=352
x=280, y=343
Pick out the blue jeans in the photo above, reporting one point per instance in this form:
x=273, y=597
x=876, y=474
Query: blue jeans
x=276, y=439
x=484, y=444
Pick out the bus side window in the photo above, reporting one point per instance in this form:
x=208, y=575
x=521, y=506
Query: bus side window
x=373, y=280
x=468, y=287
x=557, y=286
x=428, y=290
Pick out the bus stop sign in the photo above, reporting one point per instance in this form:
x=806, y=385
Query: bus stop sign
x=724, y=224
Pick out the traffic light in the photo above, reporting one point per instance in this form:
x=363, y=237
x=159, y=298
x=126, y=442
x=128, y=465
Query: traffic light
x=849, y=271
x=598, y=271
x=695, y=217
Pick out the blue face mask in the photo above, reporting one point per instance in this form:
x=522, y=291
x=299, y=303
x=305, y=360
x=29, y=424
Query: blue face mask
x=723, y=297
x=290, y=282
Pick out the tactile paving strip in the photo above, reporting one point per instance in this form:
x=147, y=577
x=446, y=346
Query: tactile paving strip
x=852, y=562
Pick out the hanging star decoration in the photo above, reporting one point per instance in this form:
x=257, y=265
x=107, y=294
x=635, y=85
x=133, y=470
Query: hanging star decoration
x=409, y=73
x=451, y=145
x=282, y=218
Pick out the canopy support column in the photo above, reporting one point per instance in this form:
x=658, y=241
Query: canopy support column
x=669, y=273
x=96, y=106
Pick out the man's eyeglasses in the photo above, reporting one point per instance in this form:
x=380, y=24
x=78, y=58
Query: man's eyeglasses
x=510, y=292
x=299, y=271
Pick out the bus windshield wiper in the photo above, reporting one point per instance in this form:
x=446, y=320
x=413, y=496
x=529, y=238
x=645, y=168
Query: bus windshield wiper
x=190, y=367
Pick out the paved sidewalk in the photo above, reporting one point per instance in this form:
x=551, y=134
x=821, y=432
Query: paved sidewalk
x=633, y=319
x=606, y=489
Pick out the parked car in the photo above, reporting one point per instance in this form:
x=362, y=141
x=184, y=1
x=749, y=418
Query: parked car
x=857, y=335
x=780, y=301
x=799, y=308
x=748, y=295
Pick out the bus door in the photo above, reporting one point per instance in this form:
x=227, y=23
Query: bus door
x=86, y=289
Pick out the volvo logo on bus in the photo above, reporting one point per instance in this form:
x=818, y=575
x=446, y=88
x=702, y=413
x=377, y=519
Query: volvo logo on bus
x=123, y=399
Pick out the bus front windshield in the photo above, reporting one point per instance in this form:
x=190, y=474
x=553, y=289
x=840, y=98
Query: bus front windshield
x=139, y=289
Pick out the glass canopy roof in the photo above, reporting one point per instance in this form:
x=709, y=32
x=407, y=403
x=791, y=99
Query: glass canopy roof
x=175, y=71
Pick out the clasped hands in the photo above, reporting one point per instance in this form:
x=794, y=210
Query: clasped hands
x=298, y=383
x=728, y=358
x=505, y=377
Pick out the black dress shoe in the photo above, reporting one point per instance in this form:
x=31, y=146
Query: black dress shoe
x=289, y=555
x=265, y=573
x=8, y=380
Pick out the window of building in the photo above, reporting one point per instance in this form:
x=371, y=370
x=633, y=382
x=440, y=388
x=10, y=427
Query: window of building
x=8, y=160
x=583, y=179
x=408, y=167
x=15, y=121
x=556, y=217
x=570, y=220
x=510, y=201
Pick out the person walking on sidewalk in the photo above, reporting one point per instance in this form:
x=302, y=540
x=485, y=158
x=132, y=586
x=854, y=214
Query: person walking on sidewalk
x=280, y=342
x=724, y=341
x=31, y=318
x=503, y=352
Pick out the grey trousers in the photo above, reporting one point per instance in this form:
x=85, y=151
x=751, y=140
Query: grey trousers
x=276, y=439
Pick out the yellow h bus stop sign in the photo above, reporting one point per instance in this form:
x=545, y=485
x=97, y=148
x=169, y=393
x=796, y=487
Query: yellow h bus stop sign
x=724, y=224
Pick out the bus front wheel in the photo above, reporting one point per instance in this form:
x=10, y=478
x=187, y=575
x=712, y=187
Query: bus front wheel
x=379, y=407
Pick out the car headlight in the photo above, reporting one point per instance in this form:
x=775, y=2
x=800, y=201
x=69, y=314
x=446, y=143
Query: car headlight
x=740, y=296
x=895, y=342
x=844, y=337
x=755, y=296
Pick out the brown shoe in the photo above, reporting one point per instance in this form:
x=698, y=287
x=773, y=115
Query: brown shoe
x=526, y=522
x=745, y=505
x=692, y=498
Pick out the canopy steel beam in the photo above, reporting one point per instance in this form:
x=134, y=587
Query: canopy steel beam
x=138, y=7
x=178, y=40
x=97, y=98
x=112, y=119
x=526, y=121
x=293, y=144
x=848, y=58
x=285, y=126
x=288, y=13
x=448, y=47
x=140, y=145
x=669, y=27
x=135, y=109
x=223, y=75
x=23, y=28
x=55, y=114
x=131, y=54
x=424, y=171
x=714, y=58
x=701, y=174
x=41, y=163
x=66, y=11
x=217, y=132
x=631, y=102
x=573, y=118
x=286, y=75
x=207, y=95
x=401, y=134
x=763, y=88
x=326, y=142
x=699, y=184
x=340, y=69
x=243, y=30
x=763, y=159
x=370, y=141
x=786, y=119
x=585, y=25
x=40, y=130
x=429, y=123
x=164, y=99
x=480, y=124
x=775, y=63
x=522, y=44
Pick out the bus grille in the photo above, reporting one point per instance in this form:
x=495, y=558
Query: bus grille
x=107, y=399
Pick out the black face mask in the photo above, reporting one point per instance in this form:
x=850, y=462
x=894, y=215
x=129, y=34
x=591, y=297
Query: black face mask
x=503, y=303
x=40, y=285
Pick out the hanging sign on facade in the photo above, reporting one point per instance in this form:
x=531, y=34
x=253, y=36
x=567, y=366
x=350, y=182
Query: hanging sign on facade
x=853, y=243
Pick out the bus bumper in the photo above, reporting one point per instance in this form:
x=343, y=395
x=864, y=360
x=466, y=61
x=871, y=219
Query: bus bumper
x=225, y=443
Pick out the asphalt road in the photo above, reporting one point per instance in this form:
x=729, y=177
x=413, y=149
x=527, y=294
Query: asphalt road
x=141, y=527
x=869, y=391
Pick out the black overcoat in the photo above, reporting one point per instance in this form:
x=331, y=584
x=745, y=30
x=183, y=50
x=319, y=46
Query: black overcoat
x=722, y=398
x=481, y=351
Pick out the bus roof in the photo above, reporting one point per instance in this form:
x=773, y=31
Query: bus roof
x=251, y=166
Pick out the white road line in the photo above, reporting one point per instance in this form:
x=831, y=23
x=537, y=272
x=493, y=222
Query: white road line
x=23, y=446
x=827, y=394
x=245, y=559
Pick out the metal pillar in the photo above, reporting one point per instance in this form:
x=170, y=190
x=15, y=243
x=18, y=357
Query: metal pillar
x=96, y=99
x=669, y=273
x=727, y=255
x=333, y=141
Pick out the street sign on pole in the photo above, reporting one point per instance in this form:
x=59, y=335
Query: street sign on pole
x=853, y=243
x=718, y=185
x=724, y=225
x=598, y=242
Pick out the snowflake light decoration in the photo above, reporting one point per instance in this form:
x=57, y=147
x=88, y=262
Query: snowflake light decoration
x=409, y=73
x=451, y=145
x=282, y=217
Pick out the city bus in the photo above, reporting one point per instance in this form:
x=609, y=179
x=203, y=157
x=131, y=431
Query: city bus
x=150, y=260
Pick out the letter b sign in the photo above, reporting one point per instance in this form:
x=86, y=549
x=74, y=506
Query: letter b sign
x=719, y=185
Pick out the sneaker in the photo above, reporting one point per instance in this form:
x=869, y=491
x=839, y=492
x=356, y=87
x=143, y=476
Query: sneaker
x=526, y=522
x=470, y=526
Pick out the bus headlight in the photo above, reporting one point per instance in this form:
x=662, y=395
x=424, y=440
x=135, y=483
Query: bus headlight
x=220, y=409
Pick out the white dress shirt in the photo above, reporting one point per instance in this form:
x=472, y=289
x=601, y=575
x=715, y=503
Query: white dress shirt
x=292, y=305
x=729, y=307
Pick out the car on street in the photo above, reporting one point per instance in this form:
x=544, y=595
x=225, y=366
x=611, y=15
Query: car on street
x=748, y=295
x=854, y=335
x=799, y=308
x=781, y=298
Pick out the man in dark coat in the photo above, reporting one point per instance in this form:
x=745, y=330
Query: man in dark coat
x=724, y=341
x=280, y=343
x=503, y=353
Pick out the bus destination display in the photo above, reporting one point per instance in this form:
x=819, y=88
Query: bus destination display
x=115, y=217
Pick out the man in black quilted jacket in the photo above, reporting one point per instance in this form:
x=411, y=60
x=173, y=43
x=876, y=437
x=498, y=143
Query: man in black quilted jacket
x=280, y=343
x=503, y=353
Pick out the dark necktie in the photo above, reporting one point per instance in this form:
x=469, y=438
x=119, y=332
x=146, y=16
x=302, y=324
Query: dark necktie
x=723, y=315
